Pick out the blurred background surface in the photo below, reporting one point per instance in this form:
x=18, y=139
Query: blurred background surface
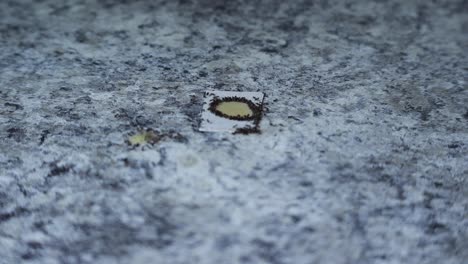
x=362, y=157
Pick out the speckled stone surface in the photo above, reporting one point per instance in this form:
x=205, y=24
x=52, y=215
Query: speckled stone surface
x=363, y=156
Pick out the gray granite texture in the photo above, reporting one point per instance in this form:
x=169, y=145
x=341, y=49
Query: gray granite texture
x=363, y=155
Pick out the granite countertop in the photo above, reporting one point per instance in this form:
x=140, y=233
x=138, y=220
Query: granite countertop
x=362, y=156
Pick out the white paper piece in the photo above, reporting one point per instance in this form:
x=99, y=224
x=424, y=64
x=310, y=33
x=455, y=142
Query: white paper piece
x=214, y=123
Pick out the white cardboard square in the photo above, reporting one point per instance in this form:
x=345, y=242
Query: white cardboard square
x=213, y=123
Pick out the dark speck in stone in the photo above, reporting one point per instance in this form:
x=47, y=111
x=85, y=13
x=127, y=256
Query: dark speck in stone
x=15, y=106
x=28, y=256
x=306, y=183
x=293, y=117
x=16, y=133
x=34, y=245
x=64, y=88
x=80, y=36
x=317, y=112
x=19, y=211
x=56, y=170
x=44, y=135
x=466, y=115
x=296, y=218
x=435, y=228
